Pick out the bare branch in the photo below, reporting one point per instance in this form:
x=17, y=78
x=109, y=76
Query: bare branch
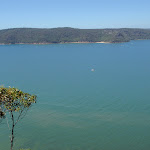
x=19, y=116
x=8, y=124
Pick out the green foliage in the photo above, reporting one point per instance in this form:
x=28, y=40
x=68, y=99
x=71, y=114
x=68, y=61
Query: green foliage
x=16, y=103
x=14, y=100
x=62, y=35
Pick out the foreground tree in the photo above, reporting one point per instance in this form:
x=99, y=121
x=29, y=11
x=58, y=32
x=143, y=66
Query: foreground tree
x=15, y=103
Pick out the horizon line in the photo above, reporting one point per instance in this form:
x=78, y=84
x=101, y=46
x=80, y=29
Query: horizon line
x=70, y=27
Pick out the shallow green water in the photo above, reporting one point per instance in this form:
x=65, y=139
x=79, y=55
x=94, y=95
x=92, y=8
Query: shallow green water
x=77, y=109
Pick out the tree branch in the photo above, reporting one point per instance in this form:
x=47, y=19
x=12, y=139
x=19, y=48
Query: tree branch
x=19, y=116
x=8, y=124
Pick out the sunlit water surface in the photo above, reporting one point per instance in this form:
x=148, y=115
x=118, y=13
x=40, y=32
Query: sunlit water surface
x=90, y=96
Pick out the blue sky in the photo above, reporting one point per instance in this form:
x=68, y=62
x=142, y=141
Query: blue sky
x=75, y=13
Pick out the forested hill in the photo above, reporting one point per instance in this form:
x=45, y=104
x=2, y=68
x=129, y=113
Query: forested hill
x=63, y=35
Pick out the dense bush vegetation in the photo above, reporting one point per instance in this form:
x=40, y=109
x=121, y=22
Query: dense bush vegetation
x=62, y=35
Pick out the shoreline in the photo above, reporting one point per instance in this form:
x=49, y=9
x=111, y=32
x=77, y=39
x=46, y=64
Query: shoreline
x=89, y=42
x=54, y=43
x=86, y=42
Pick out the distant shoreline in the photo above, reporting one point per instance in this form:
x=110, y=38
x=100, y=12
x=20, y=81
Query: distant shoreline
x=86, y=42
x=55, y=43
x=37, y=36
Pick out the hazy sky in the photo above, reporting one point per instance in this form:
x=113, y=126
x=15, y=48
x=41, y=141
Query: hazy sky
x=75, y=13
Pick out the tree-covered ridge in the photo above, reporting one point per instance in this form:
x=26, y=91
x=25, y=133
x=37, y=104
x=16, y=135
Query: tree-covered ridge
x=62, y=35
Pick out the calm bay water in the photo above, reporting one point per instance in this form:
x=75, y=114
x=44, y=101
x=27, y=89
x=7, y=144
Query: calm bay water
x=80, y=109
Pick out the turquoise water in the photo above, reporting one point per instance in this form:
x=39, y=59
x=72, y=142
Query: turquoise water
x=80, y=109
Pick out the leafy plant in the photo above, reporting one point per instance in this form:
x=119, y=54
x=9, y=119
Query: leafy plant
x=16, y=103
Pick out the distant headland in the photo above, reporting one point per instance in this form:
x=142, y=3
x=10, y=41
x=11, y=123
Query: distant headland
x=71, y=35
